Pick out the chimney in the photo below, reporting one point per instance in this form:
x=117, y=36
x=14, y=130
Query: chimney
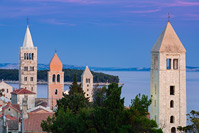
x=25, y=107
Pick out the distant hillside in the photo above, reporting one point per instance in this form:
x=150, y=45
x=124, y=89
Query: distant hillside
x=12, y=75
x=46, y=67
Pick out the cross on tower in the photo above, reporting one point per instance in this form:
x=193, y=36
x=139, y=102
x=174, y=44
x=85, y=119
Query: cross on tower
x=168, y=17
x=27, y=20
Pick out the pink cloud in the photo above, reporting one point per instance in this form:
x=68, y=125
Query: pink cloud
x=146, y=11
x=69, y=1
x=55, y=22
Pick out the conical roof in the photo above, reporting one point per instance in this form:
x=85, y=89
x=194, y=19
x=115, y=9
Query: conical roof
x=55, y=63
x=28, y=39
x=168, y=41
x=87, y=72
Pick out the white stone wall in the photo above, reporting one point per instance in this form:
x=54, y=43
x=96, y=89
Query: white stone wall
x=7, y=89
x=164, y=78
x=30, y=85
x=17, y=99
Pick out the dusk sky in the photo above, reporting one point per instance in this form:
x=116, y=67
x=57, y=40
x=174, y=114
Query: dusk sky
x=103, y=33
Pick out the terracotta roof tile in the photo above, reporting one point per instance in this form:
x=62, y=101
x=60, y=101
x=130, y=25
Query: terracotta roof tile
x=22, y=91
x=33, y=123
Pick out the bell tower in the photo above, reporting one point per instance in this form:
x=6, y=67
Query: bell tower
x=168, y=81
x=55, y=81
x=28, y=64
x=87, y=83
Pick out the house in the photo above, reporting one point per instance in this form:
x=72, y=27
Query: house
x=7, y=89
x=19, y=94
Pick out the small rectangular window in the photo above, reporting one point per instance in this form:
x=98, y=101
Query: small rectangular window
x=87, y=89
x=25, y=78
x=172, y=90
x=87, y=80
x=7, y=90
x=175, y=64
x=31, y=68
x=168, y=63
x=31, y=78
x=156, y=63
x=25, y=68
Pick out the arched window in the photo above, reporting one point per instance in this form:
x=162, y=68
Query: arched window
x=27, y=56
x=56, y=91
x=53, y=77
x=58, y=78
x=173, y=130
x=172, y=119
x=24, y=56
x=32, y=56
x=171, y=104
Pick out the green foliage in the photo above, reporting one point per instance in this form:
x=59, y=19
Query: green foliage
x=12, y=74
x=107, y=114
x=193, y=117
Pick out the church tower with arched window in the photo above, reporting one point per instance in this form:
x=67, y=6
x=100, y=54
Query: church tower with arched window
x=168, y=81
x=87, y=83
x=55, y=81
x=28, y=64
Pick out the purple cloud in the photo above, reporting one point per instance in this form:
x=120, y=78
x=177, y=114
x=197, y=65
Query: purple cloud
x=55, y=22
x=145, y=11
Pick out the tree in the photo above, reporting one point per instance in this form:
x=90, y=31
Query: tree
x=193, y=117
x=99, y=95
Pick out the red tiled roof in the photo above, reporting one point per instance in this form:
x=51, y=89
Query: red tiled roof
x=22, y=91
x=33, y=123
x=16, y=107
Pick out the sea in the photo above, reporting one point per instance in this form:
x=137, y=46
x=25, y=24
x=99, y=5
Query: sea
x=139, y=82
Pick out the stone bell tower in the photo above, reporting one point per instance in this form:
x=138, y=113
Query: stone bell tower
x=168, y=81
x=28, y=64
x=55, y=81
x=87, y=83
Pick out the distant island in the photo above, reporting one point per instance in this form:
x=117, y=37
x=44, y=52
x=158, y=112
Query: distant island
x=46, y=67
x=98, y=77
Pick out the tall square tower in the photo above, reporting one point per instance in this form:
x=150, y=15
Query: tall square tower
x=28, y=64
x=168, y=81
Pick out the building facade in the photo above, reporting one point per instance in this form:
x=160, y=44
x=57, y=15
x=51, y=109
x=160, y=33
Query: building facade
x=87, y=83
x=55, y=81
x=28, y=64
x=168, y=81
x=7, y=89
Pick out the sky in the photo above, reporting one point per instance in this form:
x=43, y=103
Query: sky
x=102, y=33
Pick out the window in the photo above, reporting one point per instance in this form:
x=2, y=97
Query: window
x=156, y=63
x=25, y=68
x=24, y=56
x=27, y=56
x=172, y=90
x=87, y=95
x=31, y=68
x=53, y=77
x=172, y=119
x=175, y=64
x=56, y=91
x=31, y=88
x=25, y=78
x=171, y=104
x=168, y=63
x=87, y=80
x=58, y=78
x=7, y=90
x=87, y=85
x=9, y=109
x=87, y=89
x=173, y=130
x=31, y=78
x=32, y=56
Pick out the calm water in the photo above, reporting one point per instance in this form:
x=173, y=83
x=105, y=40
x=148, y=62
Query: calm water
x=139, y=82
